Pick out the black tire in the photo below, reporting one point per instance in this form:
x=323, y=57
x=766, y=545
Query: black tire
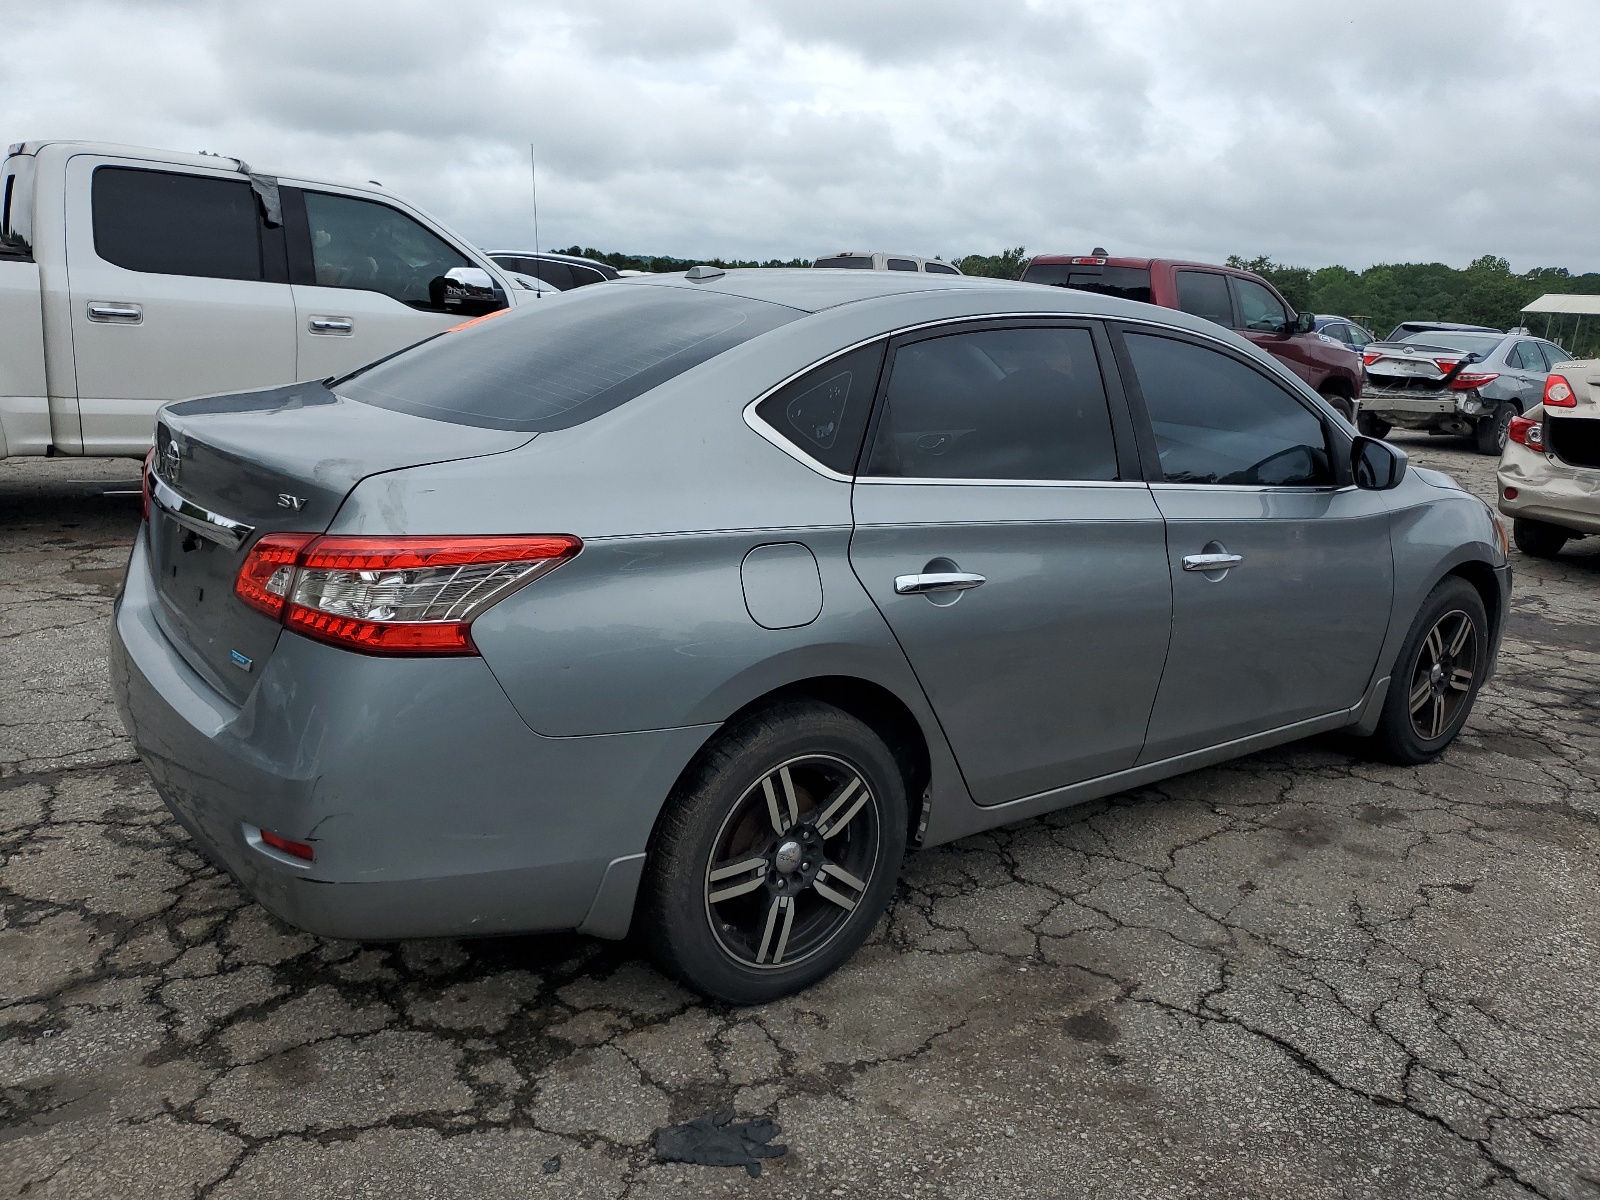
x=1418, y=721
x=1372, y=425
x=1538, y=538
x=1342, y=404
x=1491, y=431
x=789, y=902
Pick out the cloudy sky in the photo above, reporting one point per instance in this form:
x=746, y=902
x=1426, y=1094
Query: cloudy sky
x=1351, y=131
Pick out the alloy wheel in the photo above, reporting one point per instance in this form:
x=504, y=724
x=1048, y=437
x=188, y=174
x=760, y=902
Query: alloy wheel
x=1441, y=681
x=792, y=860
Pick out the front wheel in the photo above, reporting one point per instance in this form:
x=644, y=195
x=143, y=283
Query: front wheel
x=1345, y=406
x=1492, y=431
x=776, y=855
x=1537, y=538
x=1437, y=676
x=1372, y=425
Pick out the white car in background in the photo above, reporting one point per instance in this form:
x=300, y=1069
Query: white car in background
x=1549, y=475
x=878, y=260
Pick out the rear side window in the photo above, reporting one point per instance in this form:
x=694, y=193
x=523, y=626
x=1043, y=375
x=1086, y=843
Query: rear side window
x=174, y=224
x=1126, y=283
x=996, y=404
x=1554, y=354
x=824, y=412
x=938, y=268
x=901, y=264
x=370, y=246
x=565, y=361
x=846, y=262
x=1219, y=421
x=1205, y=294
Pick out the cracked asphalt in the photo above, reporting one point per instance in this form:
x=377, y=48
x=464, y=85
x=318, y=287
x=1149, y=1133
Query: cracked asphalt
x=1300, y=974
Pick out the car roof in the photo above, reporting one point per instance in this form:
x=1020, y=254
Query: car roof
x=812, y=291
x=1454, y=326
x=178, y=158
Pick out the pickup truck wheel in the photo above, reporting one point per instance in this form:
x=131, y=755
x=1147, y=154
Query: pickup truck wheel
x=1491, y=431
x=1537, y=538
x=1372, y=425
x=1342, y=403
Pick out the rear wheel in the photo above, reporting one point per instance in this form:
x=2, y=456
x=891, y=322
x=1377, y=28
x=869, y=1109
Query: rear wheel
x=1537, y=538
x=1491, y=431
x=1437, y=676
x=776, y=856
x=1372, y=425
x=1345, y=406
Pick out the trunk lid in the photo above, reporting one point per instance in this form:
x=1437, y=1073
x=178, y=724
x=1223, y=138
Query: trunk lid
x=278, y=460
x=1410, y=367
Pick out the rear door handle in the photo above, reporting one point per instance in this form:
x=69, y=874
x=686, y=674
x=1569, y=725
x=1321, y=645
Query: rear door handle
x=941, y=581
x=114, y=312
x=1211, y=562
x=333, y=325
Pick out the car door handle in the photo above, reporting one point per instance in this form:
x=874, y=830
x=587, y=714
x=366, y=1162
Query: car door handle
x=112, y=312
x=940, y=581
x=333, y=325
x=1211, y=562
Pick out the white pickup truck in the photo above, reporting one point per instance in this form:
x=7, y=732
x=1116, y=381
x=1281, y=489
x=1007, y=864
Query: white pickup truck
x=132, y=277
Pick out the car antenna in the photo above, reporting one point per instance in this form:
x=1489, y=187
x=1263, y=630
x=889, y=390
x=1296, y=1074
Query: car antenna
x=533, y=161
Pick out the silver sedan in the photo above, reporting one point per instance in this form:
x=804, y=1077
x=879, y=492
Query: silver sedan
x=691, y=603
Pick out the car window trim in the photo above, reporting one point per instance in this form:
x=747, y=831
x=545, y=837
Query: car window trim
x=1123, y=435
x=1333, y=438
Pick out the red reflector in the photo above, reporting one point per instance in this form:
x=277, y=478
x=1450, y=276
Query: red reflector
x=1510, y=493
x=1558, y=393
x=1525, y=432
x=442, y=637
x=279, y=842
x=1468, y=380
x=268, y=571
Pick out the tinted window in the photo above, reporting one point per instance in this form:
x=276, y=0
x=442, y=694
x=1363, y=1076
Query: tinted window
x=558, y=364
x=1128, y=283
x=937, y=268
x=1217, y=420
x=583, y=276
x=996, y=404
x=1205, y=294
x=825, y=411
x=857, y=263
x=1259, y=309
x=901, y=264
x=1337, y=330
x=370, y=246
x=174, y=224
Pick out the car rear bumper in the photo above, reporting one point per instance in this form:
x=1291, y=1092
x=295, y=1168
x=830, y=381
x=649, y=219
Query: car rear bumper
x=433, y=809
x=1549, y=490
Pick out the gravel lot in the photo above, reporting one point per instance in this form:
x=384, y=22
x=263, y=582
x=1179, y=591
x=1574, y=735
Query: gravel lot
x=1297, y=975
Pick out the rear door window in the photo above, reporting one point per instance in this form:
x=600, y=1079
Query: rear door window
x=1259, y=310
x=848, y=263
x=369, y=246
x=555, y=365
x=824, y=412
x=939, y=268
x=1218, y=421
x=169, y=223
x=1205, y=294
x=901, y=264
x=996, y=404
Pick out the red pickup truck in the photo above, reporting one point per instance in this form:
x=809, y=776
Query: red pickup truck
x=1235, y=299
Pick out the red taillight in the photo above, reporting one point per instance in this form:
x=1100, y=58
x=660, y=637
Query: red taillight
x=1468, y=380
x=1525, y=432
x=1447, y=364
x=278, y=842
x=1558, y=393
x=392, y=595
x=1368, y=357
x=144, y=481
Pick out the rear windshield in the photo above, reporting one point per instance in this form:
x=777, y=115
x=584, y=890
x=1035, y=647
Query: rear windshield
x=559, y=362
x=855, y=263
x=1128, y=283
x=1468, y=343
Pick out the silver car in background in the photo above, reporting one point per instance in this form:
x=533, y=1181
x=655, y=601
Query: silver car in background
x=689, y=603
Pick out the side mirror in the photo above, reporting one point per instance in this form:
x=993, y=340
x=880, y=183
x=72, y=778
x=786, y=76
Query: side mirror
x=1376, y=465
x=467, y=291
x=1303, y=323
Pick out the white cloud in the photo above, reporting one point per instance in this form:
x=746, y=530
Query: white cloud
x=1432, y=130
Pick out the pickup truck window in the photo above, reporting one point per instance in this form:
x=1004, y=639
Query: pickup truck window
x=1128, y=283
x=169, y=223
x=369, y=246
x=1205, y=294
x=1259, y=309
x=16, y=218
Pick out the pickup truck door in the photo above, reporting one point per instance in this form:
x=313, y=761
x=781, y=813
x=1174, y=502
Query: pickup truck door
x=365, y=280
x=177, y=289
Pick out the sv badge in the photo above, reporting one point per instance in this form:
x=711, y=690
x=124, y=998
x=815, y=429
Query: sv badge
x=287, y=501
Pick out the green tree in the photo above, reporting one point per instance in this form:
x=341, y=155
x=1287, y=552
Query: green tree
x=1007, y=264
